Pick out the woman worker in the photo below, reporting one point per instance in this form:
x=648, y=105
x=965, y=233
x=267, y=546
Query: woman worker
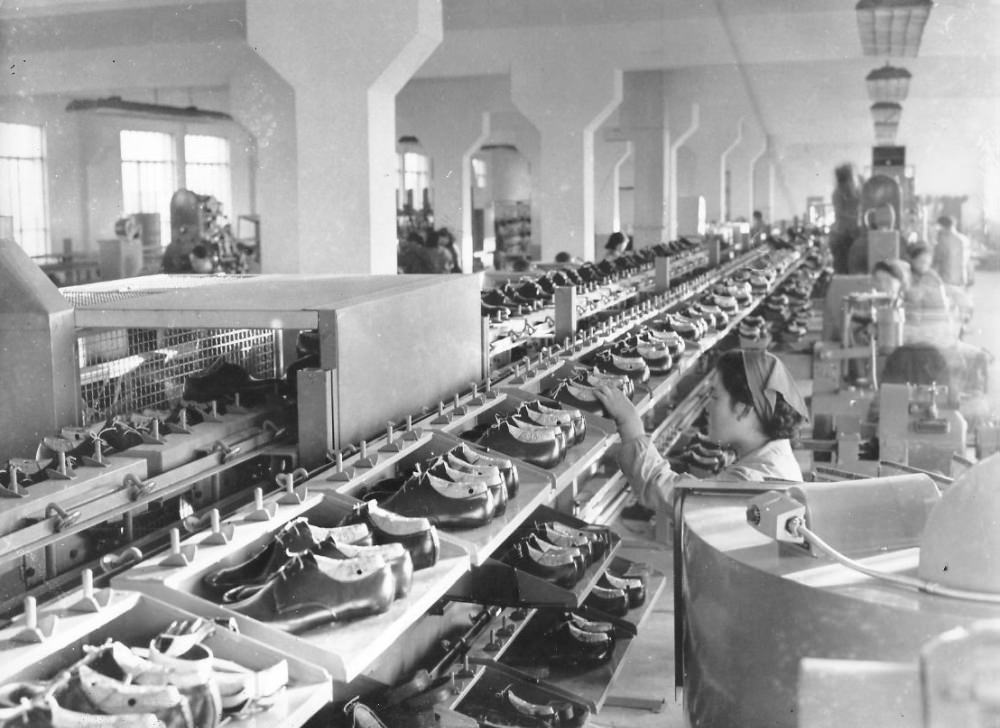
x=755, y=409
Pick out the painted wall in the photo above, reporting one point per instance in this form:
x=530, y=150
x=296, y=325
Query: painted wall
x=84, y=160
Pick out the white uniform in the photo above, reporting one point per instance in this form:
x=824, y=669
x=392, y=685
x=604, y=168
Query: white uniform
x=653, y=480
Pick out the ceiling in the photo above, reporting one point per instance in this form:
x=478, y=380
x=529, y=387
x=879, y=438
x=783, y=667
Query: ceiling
x=799, y=62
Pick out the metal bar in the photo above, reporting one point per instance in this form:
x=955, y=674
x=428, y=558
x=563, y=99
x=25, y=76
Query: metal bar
x=118, y=502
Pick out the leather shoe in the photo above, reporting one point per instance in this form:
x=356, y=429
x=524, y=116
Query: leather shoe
x=294, y=538
x=417, y=535
x=608, y=600
x=575, y=416
x=634, y=588
x=222, y=379
x=394, y=554
x=443, y=503
x=556, y=566
x=536, y=446
x=491, y=477
x=311, y=591
x=464, y=454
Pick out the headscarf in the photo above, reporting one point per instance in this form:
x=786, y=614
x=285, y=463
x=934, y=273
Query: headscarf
x=767, y=377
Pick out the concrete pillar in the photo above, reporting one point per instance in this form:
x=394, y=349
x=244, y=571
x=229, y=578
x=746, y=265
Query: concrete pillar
x=751, y=198
x=724, y=212
x=567, y=92
x=451, y=118
x=264, y=103
x=346, y=62
x=608, y=159
x=677, y=141
x=644, y=121
x=717, y=131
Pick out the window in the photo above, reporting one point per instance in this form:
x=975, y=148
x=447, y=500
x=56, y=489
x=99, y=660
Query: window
x=22, y=185
x=206, y=169
x=415, y=180
x=479, y=173
x=148, y=175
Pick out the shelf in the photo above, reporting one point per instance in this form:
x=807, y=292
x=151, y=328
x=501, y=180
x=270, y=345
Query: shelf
x=578, y=458
x=536, y=487
x=497, y=582
x=483, y=693
x=345, y=649
x=135, y=619
x=594, y=684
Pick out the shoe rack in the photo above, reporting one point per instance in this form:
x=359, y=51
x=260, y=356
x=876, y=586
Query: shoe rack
x=343, y=649
x=44, y=641
x=536, y=487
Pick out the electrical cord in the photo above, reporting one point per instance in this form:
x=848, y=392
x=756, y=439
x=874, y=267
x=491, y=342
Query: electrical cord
x=798, y=528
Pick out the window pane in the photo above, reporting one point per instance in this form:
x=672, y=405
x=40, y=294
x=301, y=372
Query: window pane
x=207, y=170
x=148, y=175
x=20, y=140
x=22, y=185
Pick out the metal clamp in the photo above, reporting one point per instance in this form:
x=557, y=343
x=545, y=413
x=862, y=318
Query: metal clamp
x=63, y=519
x=269, y=426
x=227, y=452
x=137, y=488
x=131, y=555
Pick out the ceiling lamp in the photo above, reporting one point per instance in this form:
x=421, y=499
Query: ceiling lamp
x=892, y=27
x=886, y=115
x=885, y=132
x=888, y=84
x=409, y=144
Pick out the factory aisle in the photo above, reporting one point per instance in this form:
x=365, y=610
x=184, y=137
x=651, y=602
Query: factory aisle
x=985, y=327
x=648, y=675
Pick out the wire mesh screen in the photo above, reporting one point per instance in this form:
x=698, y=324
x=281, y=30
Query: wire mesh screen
x=131, y=370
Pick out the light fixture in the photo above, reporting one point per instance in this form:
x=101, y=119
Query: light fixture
x=118, y=106
x=502, y=147
x=892, y=27
x=888, y=83
x=885, y=132
x=886, y=115
x=409, y=144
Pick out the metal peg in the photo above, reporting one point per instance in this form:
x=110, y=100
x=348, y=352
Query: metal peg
x=261, y=511
x=35, y=632
x=91, y=601
x=221, y=533
x=179, y=555
x=339, y=474
x=365, y=460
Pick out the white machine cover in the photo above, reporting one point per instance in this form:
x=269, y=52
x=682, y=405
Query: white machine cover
x=960, y=546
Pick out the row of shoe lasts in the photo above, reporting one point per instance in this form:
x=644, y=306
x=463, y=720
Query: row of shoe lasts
x=537, y=432
x=495, y=709
x=705, y=457
x=462, y=488
x=576, y=391
x=571, y=642
x=307, y=576
x=116, y=435
x=557, y=552
x=176, y=682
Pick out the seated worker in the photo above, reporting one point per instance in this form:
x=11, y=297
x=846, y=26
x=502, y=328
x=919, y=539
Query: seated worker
x=926, y=289
x=616, y=246
x=755, y=409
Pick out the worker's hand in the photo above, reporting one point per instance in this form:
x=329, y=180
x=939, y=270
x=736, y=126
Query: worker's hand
x=621, y=410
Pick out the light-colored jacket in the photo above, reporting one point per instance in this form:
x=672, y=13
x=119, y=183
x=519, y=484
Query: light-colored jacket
x=653, y=480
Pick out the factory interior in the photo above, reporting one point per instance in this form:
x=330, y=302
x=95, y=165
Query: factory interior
x=711, y=442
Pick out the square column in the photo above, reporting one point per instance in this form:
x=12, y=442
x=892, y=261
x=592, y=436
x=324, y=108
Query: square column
x=644, y=121
x=567, y=96
x=345, y=63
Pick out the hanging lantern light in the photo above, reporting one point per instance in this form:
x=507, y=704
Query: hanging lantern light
x=892, y=27
x=886, y=111
x=888, y=84
x=885, y=132
x=886, y=115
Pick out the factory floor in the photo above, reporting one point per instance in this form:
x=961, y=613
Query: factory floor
x=646, y=682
